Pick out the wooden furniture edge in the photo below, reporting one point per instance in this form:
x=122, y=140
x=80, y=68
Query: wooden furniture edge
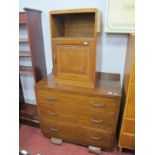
x=30, y=9
x=67, y=11
x=108, y=76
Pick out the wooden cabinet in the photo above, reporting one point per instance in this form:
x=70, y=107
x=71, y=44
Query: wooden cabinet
x=82, y=116
x=32, y=67
x=127, y=133
x=73, y=39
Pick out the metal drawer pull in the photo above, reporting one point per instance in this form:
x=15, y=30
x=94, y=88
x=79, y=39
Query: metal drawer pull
x=111, y=113
x=96, y=121
x=109, y=129
x=51, y=98
x=95, y=138
x=52, y=113
x=54, y=129
x=97, y=105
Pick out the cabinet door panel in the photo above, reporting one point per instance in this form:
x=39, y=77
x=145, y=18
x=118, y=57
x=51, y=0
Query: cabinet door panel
x=74, y=60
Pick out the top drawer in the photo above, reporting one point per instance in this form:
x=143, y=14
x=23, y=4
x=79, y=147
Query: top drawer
x=88, y=102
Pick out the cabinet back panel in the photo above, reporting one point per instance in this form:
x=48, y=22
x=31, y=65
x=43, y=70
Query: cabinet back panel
x=23, y=33
x=25, y=61
x=24, y=47
x=81, y=26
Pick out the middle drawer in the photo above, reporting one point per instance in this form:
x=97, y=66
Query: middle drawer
x=89, y=119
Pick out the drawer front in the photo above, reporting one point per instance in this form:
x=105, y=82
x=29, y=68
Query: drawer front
x=98, y=104
x=77, y=110
x=127, y=141
x=102, y=121
x=129, y=126
x=77, y=134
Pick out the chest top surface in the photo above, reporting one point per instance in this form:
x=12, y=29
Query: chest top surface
x=106, y=86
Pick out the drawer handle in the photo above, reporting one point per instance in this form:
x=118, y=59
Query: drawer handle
x=95, y=137
x=100, y=121
x=97, y=105
x=111, y=113
x=109, y=129
x=54, y=129
x=51, y=98
x=96, y=121
x=52, y=113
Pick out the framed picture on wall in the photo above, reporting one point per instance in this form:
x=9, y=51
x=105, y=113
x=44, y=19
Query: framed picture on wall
x=120, y=16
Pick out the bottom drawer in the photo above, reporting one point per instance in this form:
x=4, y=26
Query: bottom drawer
x=127, y=141
x=77, y=134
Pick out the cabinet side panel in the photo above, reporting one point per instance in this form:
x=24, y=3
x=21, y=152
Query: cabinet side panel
x=126, y=139
x=36, y=44
x=128, y=62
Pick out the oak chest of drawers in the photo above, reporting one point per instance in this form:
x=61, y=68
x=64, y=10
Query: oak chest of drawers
x=79, y=115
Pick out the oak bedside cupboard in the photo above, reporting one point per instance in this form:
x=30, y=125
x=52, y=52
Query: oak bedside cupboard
x=86, y=116
x=74, y=38
x=127, y=133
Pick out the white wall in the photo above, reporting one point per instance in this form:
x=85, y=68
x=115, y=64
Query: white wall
x=112, y=47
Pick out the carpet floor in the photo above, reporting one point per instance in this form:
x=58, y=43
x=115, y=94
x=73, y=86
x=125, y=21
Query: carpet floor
x=32, y=140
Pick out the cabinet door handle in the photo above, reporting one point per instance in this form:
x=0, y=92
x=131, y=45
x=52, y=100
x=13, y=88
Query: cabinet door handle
x=96, y=121
x=51, y=98
x=95, y=137
x=54, y=129
x=85, y=43
x=52, y=113
x=97, y=105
